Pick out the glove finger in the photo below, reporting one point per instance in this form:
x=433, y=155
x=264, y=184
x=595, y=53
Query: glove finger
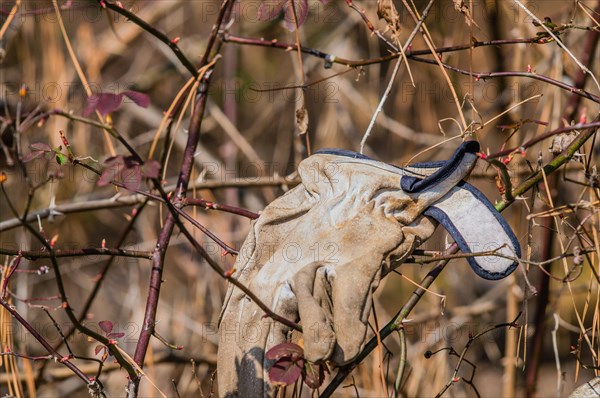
x=352, y=295
x=311, y=291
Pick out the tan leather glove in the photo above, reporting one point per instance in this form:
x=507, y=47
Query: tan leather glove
x=317, y=254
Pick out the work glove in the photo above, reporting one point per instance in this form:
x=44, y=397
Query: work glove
x=316, y=255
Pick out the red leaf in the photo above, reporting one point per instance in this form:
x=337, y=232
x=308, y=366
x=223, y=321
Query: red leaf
x=115, y=335
x=106, y=326
x=98, y=349
x=104, y=103
x=301, y=7
x=140, y=99
x=286, y=371
x=108, y=175
x=128, y=171
x=32, y=155
x=284, y=350
x=40, y=146
x=314, y=374
x=90, y=105
x=111, y=172
x=108, y=103
x=150, y=169
x=270, y=9
x=130, y=162
x=132, y=177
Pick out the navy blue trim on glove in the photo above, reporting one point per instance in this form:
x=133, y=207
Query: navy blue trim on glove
x=441, y=217
x=414, y=185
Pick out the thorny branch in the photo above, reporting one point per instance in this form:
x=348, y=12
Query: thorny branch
x=172, y=43
x=184, y=183
x=461, y=356
x=120, y=200
x=54, y=354
x=63, y=294
x=414, y=55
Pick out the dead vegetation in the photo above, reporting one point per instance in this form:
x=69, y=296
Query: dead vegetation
x=224, y=101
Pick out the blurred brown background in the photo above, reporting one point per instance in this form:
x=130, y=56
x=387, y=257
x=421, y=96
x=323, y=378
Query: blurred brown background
x=251, y=135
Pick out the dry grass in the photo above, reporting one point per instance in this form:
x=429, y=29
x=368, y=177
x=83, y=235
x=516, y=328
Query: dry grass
x=249, y=134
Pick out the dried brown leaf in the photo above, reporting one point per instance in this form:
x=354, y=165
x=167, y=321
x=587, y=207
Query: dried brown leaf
x=387, y=11
x=302, y=120
x=460, y=6
x=561, y=141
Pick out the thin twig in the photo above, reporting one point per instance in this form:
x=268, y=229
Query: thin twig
x=414, y=55
x=88, y=251
x=557, y=357
x=542, y=137
x=388, y=89
x=118, y=8
x=78, y=205
x=461, y=358
x=559, y=42
x=43, y=342
x=182, y=185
